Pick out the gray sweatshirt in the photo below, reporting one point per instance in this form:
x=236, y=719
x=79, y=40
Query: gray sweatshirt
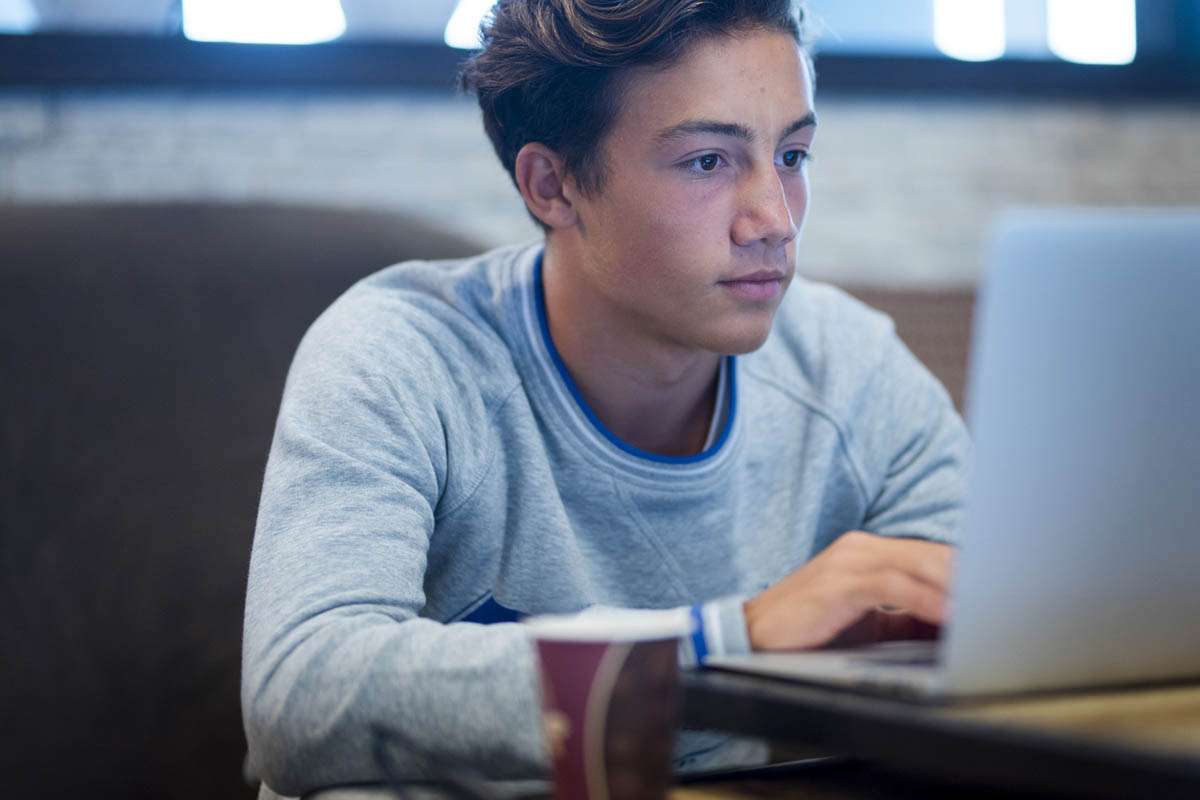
x=435, y=474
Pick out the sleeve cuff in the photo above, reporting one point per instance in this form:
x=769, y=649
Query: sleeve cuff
x=718, y=629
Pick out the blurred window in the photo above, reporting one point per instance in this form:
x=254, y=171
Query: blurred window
x=17, y=16
x=263, y=21
x=918, y=34
x=1083, y=31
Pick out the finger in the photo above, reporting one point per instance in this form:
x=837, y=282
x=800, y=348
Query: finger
x=903, y=625
x=864, y=630
x=884, y=626
x=897, y=587
x=928, y=562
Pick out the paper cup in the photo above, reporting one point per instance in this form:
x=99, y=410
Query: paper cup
x=610, y=699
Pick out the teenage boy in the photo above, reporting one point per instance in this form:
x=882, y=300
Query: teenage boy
x=646, y=408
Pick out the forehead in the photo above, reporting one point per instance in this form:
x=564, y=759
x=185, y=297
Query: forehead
x=757, y=79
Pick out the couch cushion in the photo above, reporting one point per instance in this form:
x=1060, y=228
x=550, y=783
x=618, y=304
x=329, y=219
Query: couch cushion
x=143, y=350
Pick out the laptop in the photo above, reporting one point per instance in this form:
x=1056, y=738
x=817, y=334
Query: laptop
x=1079, y=560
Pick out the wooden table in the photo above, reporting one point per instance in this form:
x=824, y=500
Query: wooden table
x=1135, y=742
x=1130, y=743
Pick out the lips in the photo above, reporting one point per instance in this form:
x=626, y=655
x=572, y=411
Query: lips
x=756, y=277
x=755, y=286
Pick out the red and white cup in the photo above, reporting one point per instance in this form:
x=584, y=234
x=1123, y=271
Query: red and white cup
x=610, y=700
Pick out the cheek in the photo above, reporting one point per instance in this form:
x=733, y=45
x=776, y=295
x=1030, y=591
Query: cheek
x=669, y=222
x=797, y=197
x=690, y=218
x=691, y=214
x=666, y=241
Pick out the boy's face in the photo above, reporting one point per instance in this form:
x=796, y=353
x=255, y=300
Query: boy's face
x=705, y=184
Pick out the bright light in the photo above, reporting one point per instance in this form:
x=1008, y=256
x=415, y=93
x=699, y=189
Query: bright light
x=1092, y=31
x=263, y=21
x=969, y=30
x=462, y=31
x=17, y=16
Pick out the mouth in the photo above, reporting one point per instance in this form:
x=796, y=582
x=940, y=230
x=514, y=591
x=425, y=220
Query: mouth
x=755, y=286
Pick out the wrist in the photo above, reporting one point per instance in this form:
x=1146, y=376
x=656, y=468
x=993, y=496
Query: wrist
x=749, y=609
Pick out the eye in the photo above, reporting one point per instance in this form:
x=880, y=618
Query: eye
x=707, y=163
x=794, y=159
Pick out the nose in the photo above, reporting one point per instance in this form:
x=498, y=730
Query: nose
x=764, y=213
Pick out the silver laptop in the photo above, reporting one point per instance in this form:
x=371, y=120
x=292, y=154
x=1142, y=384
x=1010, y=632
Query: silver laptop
x=1080, y=558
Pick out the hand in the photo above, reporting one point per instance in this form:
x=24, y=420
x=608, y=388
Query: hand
x=861, y=588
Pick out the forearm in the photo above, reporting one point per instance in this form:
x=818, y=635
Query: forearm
x=463, y=693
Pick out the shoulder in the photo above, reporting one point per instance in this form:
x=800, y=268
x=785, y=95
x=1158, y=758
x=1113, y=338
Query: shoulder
x=825, y=346
x=433, y=324
x=418, y=346
x=842, y=360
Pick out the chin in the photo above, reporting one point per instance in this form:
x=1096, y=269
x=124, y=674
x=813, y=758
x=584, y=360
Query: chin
x=739, y=341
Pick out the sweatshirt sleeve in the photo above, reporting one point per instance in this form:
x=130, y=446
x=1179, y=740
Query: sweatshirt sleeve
x=333, y=641
x=913, y=449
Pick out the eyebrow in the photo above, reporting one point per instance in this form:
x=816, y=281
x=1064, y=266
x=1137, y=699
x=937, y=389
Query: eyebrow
x=732, y=129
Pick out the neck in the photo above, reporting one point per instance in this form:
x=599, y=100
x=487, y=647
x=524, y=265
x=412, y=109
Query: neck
x=651, y=393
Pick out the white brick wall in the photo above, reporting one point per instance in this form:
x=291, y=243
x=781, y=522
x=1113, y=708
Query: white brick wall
x=902, y=188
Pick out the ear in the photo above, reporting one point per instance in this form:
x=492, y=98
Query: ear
x=541, y=178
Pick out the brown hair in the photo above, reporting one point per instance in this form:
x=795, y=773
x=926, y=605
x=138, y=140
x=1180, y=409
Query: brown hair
x=550, y=70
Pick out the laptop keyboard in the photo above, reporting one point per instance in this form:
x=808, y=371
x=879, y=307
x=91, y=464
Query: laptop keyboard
x=909, y=654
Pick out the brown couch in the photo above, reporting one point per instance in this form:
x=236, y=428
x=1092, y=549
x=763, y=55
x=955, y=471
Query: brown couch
x=142, y=355
x=143, y=351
